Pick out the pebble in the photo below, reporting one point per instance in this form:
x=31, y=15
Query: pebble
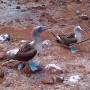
x=60, y=79
x=18, y=7
x=78, y=12
x=49, y=66
x=53, y=69
x=27, y=71
x=4, y=37
x=48, y=80
x=23, y=41
x=1, y=75
x=78, y=1
x=47, y=43
x=1, y=1
x=36, y=0
x=20, y=66
x=2, y=55
x=39, y=6
x=84, y=17
x=74, y=78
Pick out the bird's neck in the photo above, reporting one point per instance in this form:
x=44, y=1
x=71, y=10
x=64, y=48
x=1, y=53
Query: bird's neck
x=38, y=42
x=78, y=36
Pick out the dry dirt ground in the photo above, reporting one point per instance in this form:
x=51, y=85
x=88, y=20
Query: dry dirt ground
x=18, y=17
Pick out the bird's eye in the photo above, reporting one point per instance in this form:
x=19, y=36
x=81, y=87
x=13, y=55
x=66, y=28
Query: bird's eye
x=40, y=29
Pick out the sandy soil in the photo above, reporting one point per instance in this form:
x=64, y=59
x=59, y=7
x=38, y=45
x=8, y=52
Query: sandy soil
x=19, y=17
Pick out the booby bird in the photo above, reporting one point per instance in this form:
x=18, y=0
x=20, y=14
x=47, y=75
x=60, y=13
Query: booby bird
x=70, y=39
x=28, y=50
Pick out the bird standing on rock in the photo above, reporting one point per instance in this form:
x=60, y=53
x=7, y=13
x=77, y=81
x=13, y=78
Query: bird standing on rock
x=70, y=39
x=28, y=50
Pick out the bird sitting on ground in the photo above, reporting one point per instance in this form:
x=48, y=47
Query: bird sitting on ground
x=28, y=50
x=75, y=37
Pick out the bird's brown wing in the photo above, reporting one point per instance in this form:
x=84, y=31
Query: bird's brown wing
x=26, y=47
x=25, y=56
x=72, y=35
x=67, y=41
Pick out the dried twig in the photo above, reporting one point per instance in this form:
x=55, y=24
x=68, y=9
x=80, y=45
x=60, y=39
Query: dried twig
x=6, y=62
x=54, y=35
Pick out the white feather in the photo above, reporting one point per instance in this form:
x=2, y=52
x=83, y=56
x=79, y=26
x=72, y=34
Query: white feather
x=12, y=52
x=78, y=33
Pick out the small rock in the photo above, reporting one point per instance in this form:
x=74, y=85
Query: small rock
x=48, y=80
x=23, y=10
x=27, y=71
x=36, y=0
x=7, y=84
x=1, y=75
x=53, y=69
x=18, y=7
x=47, y=43
x=60, y=79
x=74, y=78
x=9, y=4
x=84, y=17
x=1, y=1
x=39, y=6
x=21, y=66
x=78, y=1
x=78, y=12
x=2, y=55
x=4, y=37
x=49, y=66
x=23, y=41
x=59, y=87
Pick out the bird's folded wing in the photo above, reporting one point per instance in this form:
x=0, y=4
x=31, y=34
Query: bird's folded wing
x=26, y=55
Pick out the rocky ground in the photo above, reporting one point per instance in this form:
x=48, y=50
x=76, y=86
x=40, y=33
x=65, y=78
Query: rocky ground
x=18, y=17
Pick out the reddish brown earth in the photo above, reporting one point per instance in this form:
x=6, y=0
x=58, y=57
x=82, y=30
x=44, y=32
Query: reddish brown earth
x=60, y=17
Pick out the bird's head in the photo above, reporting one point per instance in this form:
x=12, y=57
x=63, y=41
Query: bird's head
x=40, y=29
x=78, y=29
x=37, y=38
